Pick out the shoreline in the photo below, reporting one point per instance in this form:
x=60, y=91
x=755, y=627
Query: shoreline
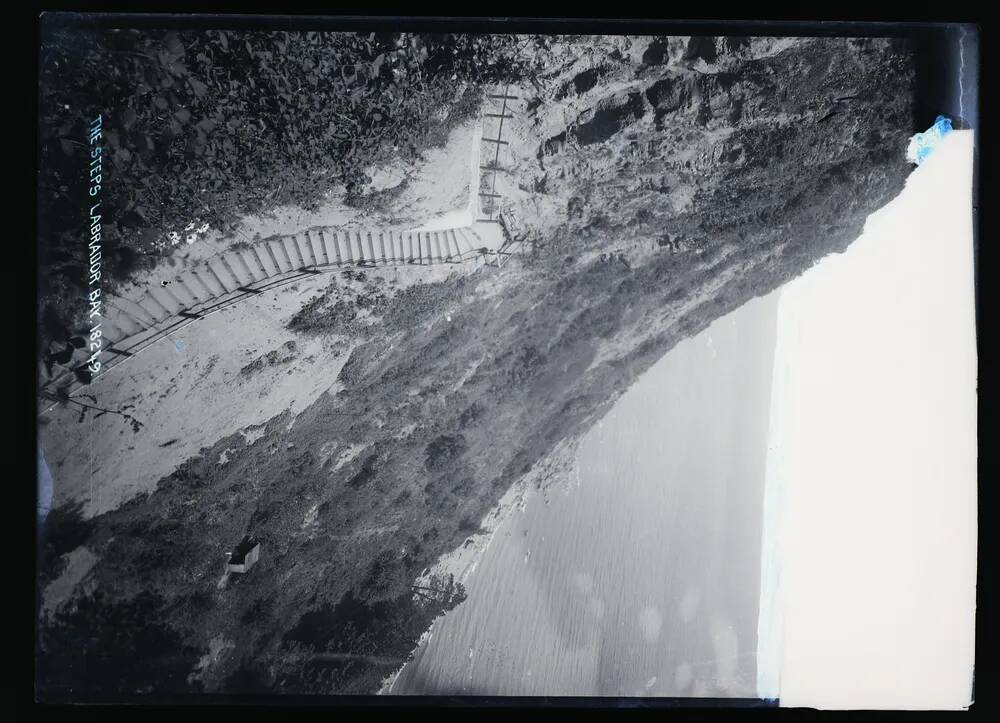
x=560, y=469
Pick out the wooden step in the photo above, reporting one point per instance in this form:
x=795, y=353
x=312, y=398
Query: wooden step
x=316, y=239
x=159, y=295
x=183, y=291
x=229, y=264
x=250, y=267
x=310, y=249
x=200, y=283
x=301, y=254
x=401, y=241
x=319, y=259
x=332, y=248
x=291, y=255
x=220, y=275
x=275, y=255
x=265, y=260
x=112, y=330
x=136, y=311
x=153, y=308
x=362, y=256
x=122, y=319
x=258, y=257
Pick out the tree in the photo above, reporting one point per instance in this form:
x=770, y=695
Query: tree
x=440, y=590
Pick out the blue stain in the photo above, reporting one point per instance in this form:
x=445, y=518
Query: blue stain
x=180, y=345
x=923, y=144
x=44, y=487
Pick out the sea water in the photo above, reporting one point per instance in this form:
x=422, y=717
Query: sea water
x=640, y=576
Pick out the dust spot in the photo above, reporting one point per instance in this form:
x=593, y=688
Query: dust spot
x=650, y=622
x=597, y=607
x=726, y=647
x=689, y=604
x=682, y=677
x=583, y=581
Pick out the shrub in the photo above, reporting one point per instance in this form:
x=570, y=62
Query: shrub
x=443, y=450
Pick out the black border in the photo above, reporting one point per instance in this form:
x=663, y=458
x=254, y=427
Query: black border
x=20, y=698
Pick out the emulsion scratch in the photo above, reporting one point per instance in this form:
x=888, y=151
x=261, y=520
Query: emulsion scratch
x=961, y=72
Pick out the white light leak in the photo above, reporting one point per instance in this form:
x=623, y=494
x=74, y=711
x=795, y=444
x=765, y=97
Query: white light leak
x=868, y=577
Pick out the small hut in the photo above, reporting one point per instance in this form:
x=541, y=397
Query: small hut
x=244, y=555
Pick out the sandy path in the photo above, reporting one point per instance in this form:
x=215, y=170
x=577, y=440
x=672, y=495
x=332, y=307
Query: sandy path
x=188, y=389
x=438, y=185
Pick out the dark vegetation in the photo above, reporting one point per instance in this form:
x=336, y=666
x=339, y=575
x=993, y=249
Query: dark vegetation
x=285, y=354
x=443, y=450
x=63, y=530
x=351, y=646
x=342, y=306
x=101, y=640
x=214, y=125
